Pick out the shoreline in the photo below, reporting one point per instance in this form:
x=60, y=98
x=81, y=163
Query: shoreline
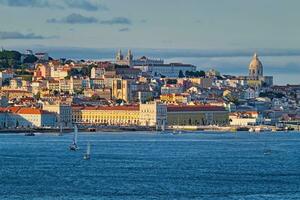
x=136, y=129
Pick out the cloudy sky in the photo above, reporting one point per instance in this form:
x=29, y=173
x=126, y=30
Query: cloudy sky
x=175, y=24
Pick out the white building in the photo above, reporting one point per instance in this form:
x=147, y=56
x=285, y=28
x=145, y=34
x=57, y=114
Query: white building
x=63, y=113
x=42, y=56
x=168, y=70
x=13, y=117
x=146, y=61
x=153, y=114
x=97, y=72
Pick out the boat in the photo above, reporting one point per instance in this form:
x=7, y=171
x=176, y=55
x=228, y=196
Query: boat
x=251, y=130
x=87, y=156
x=267, y=151
x=73, y=146
x=29, y=134
x=92, y=129
x=60, y=130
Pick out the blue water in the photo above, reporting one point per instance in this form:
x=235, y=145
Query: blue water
x=151, y=166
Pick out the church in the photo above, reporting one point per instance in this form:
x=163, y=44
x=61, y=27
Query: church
x=120, y=60
x=256, y=74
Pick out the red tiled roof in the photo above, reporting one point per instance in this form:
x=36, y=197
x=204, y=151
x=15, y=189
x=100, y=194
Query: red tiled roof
x=175, y=108
x=131, y=107
x=31, y=111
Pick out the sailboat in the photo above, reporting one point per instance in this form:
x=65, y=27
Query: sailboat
x=73, y=146
x=87, y=156
x=60, y=130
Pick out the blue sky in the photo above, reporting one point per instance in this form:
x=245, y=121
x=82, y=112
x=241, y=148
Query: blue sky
x=174, y=24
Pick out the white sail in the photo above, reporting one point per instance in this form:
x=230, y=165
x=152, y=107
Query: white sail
x=60, y=128
x=75, y=135
x=163, y=127
x=88, y=150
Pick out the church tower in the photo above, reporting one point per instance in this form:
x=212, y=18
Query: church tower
x=119, y=56
x=255, y=68
x=129, y=57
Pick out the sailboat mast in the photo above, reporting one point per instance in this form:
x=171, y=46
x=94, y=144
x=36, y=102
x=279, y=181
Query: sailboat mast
x=60, y=130
x=75, y=135
x=88, y=151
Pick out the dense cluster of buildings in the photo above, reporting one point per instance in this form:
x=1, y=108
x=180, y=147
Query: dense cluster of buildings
x=142, y=92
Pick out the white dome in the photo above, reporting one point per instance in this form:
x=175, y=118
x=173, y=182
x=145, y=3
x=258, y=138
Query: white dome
x=255, y=63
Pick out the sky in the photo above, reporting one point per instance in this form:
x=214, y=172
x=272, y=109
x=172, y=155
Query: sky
x=175, y=24
x=222, y=34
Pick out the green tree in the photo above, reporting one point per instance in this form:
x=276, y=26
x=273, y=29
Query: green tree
x=180, y=75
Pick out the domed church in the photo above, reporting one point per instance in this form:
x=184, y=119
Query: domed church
x=255, y=67
x=256, y=73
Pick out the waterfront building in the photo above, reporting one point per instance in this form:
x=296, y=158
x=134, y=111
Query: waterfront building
x=245, y=118
x=196, y=115
x=62, y=111
x=12, y=117
x=153, y=114
x=106, y=115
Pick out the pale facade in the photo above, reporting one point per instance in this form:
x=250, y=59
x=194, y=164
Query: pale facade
x=153, y=114
x=63, y=112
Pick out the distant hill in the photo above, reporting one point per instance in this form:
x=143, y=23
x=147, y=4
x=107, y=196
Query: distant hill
x=15, y=55
x=14, y=58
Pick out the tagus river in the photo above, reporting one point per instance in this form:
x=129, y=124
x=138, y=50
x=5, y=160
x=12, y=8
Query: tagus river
x=151, y=166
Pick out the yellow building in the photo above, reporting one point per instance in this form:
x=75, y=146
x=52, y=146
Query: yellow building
x=196, y=115
x=108, y=115
x=175, y=98
x=202, y=82
x=121, y=89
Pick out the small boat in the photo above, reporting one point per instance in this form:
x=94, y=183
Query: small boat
x=267, y=151
x=73, y=146
x=251, y=130
x=29, y=134
x=60, y=130
x=91, y=129
x=87, y=156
